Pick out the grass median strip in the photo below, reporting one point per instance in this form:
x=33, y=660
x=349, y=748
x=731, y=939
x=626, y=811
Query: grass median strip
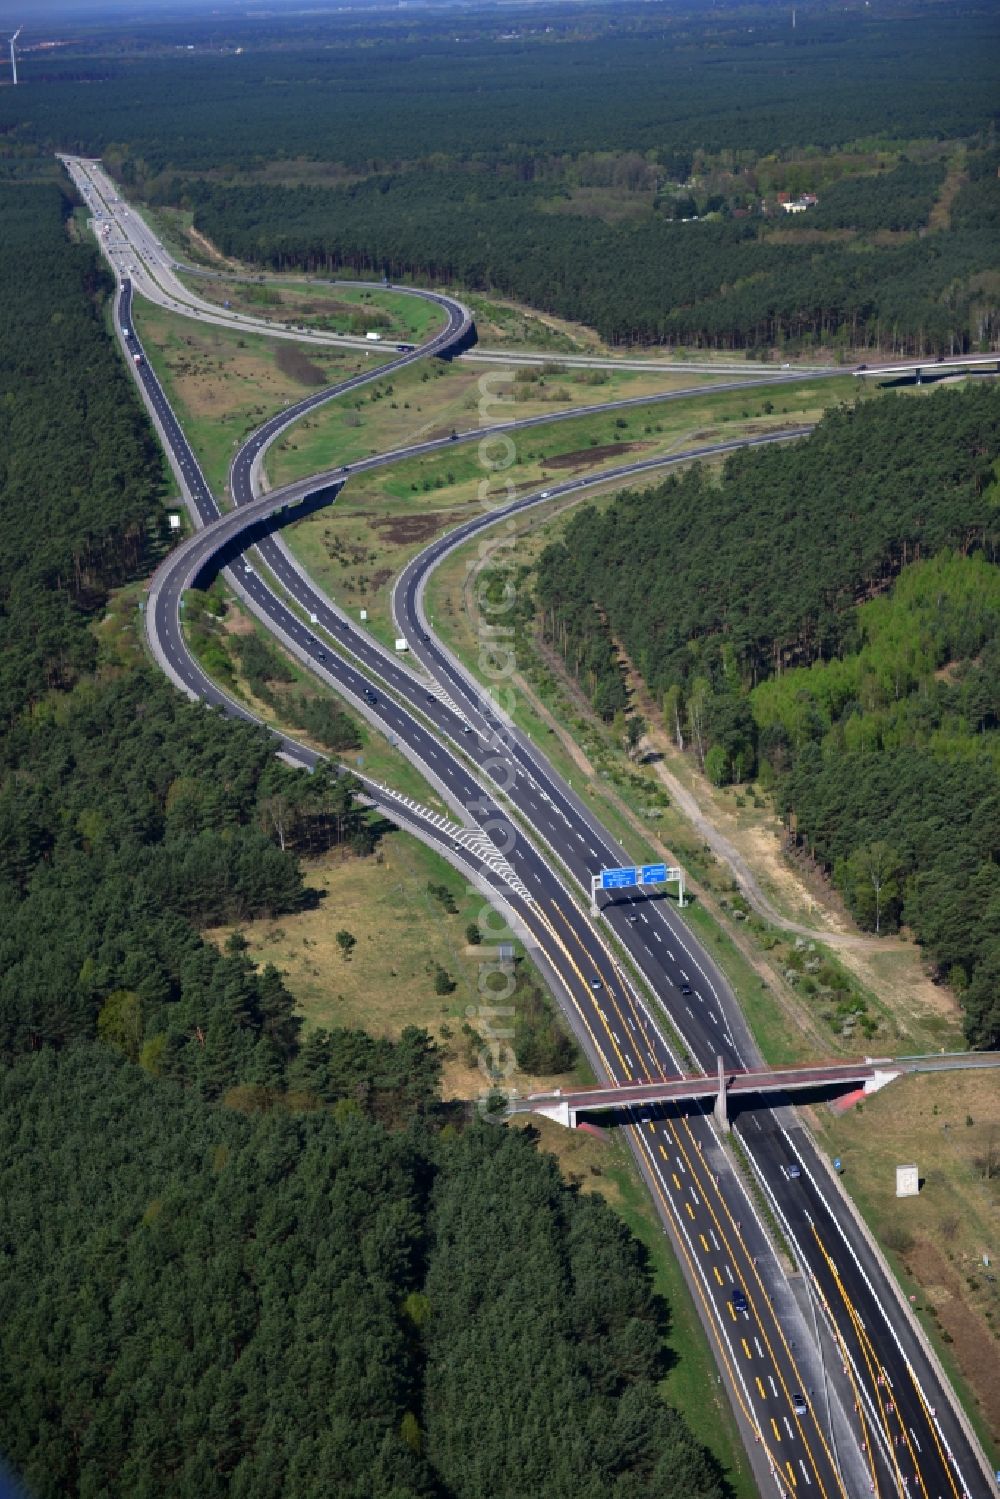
x=316, y=307
x=223, y=383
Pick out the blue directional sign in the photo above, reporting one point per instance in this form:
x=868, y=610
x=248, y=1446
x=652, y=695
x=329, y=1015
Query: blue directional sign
x=652, y=874
x=619, y=879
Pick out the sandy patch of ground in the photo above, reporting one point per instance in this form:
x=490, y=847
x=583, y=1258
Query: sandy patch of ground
x=792, y=893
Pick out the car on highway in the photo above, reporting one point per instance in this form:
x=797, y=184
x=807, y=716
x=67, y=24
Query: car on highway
x=370, y=696
x=739, y=1299
x=799, y=1404
x=596, y=984
x=686, y=989
x=793, y=1171
x=632, y=917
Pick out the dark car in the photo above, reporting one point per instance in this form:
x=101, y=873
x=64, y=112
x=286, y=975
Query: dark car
x=686, y=989
x=371, y=696
x=740, y=1302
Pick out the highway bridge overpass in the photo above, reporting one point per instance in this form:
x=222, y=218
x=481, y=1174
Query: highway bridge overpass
x=871, y=1073
x=918, y=368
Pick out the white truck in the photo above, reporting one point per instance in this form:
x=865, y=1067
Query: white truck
x=375, y=338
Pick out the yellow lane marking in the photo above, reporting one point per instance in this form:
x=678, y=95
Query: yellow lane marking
x=626, y=1070
x=746, y=1347
x=760, y=1386
x=718, y=1274
x=877, y=1372
x=677, y=1180
x=584, y=986
x=867, y=1352
x=791, y=1476
x=691, y=1158
x=648, y=1069
x=710, y=1312
x=704, y=1243
x=776, y=1431
x=867, y=1445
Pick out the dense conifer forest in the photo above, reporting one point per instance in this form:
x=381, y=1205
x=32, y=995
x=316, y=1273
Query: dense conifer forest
x=730, y=284
x=236, y=1258
x=555, y=162
x=826, y=616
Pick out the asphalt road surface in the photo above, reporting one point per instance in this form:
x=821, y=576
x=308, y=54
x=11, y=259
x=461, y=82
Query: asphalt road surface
x=872, y=1410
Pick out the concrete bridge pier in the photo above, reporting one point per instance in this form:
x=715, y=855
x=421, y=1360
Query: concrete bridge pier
x=561, y=1111
x=721, y=1110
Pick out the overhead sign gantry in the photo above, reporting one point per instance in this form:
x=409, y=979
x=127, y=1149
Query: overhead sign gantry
x=630, y=876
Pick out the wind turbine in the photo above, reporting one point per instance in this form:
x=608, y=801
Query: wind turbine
x=13, y=54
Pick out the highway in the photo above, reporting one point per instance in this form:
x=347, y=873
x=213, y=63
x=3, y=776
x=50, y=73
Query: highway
x=557, y=932
x=467, y=748
x=135, y=251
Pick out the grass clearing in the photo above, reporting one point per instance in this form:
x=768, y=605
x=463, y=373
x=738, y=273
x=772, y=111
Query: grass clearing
x=427, y=401
x=404, y=935
x=432, y=399
x=223, y=383
x=320, y=307
x=603, y=439
x=949, y=1125
x=606, y=1166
